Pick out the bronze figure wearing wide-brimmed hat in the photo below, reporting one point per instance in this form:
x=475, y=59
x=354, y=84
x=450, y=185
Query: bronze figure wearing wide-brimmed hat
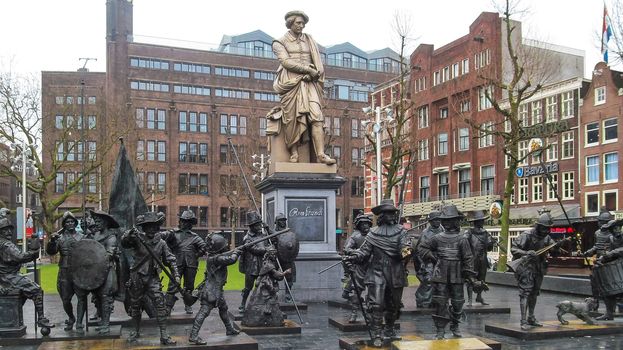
x=150, y=217
x=188, y=215
x=433, y=215
x=253, y=217
x=67, y=215
x=110, y=221
x=478, y=215
x=387, y=205
x=450, y=211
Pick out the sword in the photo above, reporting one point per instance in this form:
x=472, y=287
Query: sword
x=250, y=194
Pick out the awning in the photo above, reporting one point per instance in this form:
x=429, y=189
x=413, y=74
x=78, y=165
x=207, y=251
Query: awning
x=460, y=166
x=441, y=169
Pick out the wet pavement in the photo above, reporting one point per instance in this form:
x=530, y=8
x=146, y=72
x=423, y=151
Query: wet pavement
x=318, y=334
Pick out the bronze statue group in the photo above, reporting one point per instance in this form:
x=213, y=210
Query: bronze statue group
x=445, y=258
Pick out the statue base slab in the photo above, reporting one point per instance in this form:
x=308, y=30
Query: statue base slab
x=553, y=329
x=289, y=327
x=289, y=307
x=343, y=325
x=59, y=335
x=447, y=344
x=348, y=343
x=214, y=342
x=475, y=309
x=127, y=322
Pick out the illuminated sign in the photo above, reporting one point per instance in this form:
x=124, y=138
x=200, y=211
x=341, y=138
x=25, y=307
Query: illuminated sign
x=561, y=230
x=536, y=170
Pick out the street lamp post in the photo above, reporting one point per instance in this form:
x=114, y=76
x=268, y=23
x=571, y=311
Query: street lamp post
x=377, y=129
x=24, y=153
x=83, y=136
x=261, y=168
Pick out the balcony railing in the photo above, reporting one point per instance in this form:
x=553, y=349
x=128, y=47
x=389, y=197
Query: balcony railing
x=464, y=202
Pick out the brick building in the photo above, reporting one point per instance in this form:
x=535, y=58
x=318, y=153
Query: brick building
x=598, y=140
x=456, y=163
x=180, y=105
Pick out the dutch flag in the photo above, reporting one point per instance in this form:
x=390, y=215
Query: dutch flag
x=606, y=33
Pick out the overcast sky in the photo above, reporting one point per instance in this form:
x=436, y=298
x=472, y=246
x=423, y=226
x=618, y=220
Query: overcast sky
x=38, y=35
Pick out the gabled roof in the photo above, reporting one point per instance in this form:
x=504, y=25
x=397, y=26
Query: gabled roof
x=386, y=52
x=346, y=47
x=251, y=36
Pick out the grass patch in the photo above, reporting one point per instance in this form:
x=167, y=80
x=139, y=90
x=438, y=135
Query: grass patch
x=235, y=279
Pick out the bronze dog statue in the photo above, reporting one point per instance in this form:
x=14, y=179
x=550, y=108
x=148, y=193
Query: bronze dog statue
x=579, y=310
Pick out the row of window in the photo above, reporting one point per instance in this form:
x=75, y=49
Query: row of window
x=72, y=151
x=485, y=139
x=539, y=187
x=68, y=180
x=69, y=100
x=70, y=121
x=152, y=182
x=610, y=168
x=595, y=200
x=608, y=129
x=443, y=184
x=552, y=152
x=151, y=150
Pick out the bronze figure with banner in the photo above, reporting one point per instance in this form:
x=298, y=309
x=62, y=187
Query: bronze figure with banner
x=63, y=243
x=384, y=250
x=144, y=282
x=187, y=247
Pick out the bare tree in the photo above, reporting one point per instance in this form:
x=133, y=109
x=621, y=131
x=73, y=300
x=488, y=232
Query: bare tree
x=21, y=121
x=615, y=45
x=525, y=70
x=399, y=152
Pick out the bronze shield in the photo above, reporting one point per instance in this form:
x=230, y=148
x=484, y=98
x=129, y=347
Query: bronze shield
x=89, y=264
x=287, y=246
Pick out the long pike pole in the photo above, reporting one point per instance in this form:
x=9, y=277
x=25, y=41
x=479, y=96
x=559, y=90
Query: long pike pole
x=248, y=187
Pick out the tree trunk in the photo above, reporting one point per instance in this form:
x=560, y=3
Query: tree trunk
x=506, y=206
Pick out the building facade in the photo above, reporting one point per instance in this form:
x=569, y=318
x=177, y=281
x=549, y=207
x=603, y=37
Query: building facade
x=599, y=143
x=179, y=107
x=457, y=163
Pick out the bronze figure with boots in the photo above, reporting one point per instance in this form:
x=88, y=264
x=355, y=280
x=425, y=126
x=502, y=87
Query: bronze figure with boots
x=251, y=258
x=354, y=241
x=144, y=279
x=454, y=264
x=211, y=292
x=11, y=260
x=62, y=243
x=480, y=242
x=187, y=247
x=530, y=272
x=385, y=249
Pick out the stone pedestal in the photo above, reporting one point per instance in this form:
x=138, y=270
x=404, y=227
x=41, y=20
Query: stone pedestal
x=305, y=194
x=11, y=316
